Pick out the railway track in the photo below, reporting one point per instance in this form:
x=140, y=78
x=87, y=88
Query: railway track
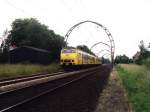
x=37, y=86
x=26, y=78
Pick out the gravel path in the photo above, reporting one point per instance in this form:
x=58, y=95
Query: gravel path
x=113, y=97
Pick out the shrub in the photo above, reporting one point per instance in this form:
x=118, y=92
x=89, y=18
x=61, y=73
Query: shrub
x=136, y=80
x=146, y=62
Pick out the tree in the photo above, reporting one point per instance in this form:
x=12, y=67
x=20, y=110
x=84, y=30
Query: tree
x=30, y=32
x=105, y=60
x=144, y=53
x=4, y=44
x=85, y=48
x=122, y=59
x=142, y=47
x=4, y=47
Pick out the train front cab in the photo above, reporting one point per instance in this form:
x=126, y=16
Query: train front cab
x=68, y=57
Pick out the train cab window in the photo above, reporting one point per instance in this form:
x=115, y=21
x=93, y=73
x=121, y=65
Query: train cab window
x=68, y=51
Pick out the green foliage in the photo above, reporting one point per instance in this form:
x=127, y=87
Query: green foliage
x=30, y=32
x=4, y=56
x=143, y=104
x=146, y=62
x=143, y=57
x=144, y=54
x=136, y=80
x=142, y=47
x=105, y=60
x=122, y=59
x=85, y=48
x=13, y=70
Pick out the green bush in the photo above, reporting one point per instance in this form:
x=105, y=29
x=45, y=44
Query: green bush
x=136, y=81
x=146, y=62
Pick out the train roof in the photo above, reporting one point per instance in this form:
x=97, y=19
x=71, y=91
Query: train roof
x=81, y=51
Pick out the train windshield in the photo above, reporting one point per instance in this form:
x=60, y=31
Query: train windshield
x=68, y=51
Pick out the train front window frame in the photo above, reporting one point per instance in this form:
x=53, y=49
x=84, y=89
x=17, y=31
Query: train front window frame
x=67, y=51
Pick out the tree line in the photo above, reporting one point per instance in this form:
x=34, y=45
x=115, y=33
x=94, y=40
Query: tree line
x=30, y=32
x=123, y=59
x=144, y=55
x=141, y=57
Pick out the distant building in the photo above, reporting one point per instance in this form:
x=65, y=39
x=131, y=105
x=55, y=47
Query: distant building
x=28, y=54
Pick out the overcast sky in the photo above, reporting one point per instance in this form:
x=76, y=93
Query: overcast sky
x=127, y=20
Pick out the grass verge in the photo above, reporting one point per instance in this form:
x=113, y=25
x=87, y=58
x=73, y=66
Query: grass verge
x=136, y=80
x=146, y=62
x=14, y=70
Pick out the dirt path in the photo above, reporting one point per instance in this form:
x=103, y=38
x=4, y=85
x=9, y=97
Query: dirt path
x=113, y=97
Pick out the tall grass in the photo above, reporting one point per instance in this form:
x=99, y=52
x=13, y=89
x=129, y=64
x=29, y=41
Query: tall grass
x=146, y=62
x=13, y=70
x=136, y=80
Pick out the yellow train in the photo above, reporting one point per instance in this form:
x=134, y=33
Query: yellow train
x=72, y=56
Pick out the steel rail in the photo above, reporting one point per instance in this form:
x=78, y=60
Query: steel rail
x=22, y=76
x=7, y=89
x=26, y=78
x=46, y=92
x=86, y=73
x=36, y=81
